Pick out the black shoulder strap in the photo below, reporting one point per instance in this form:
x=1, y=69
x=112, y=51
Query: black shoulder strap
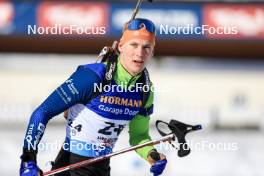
x=147, y=87
x=109, y=73
x=110, y=56
x=110, y=69
x=145, y=93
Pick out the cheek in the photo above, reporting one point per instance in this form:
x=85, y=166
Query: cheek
x=148, y=55
x=129, y=54
x=127, y=57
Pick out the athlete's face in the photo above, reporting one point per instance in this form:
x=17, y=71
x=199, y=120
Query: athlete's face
x=134, y=54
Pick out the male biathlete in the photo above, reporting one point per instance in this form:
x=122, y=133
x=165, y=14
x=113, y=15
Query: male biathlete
x=95, y=120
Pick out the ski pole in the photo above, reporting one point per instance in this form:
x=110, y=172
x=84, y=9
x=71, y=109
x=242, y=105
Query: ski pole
x=168, y=137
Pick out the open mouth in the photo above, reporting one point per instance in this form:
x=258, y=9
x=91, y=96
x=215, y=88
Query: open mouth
x=138, y=61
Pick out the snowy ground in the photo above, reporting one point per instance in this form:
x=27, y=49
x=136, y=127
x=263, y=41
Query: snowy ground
x=240, y=153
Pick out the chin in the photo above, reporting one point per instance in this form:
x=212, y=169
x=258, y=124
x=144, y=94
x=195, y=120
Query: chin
x=137, y=71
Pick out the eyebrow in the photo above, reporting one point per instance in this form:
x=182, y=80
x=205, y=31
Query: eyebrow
x=146, y=45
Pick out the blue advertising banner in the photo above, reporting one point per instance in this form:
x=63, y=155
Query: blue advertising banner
x=172, y=20
x=25, y=15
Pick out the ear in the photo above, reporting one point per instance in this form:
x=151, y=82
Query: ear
x=120, y=47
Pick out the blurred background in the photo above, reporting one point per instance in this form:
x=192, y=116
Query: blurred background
x=216, y=80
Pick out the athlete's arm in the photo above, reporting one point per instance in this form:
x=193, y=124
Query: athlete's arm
x=139, y=130
x=139, y=133
x=77, y=89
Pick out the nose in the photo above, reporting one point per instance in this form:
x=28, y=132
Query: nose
x=140, y=51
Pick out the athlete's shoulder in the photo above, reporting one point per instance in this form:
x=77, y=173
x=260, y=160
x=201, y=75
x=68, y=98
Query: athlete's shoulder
x=97, y=68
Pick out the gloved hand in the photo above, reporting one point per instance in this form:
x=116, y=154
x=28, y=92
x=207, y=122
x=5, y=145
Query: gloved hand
x=158, y=167
x=29, y=168
x=28, y=165
x=158, y=162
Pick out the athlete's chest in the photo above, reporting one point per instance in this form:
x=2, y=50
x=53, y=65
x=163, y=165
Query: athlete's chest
x=117, y=103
